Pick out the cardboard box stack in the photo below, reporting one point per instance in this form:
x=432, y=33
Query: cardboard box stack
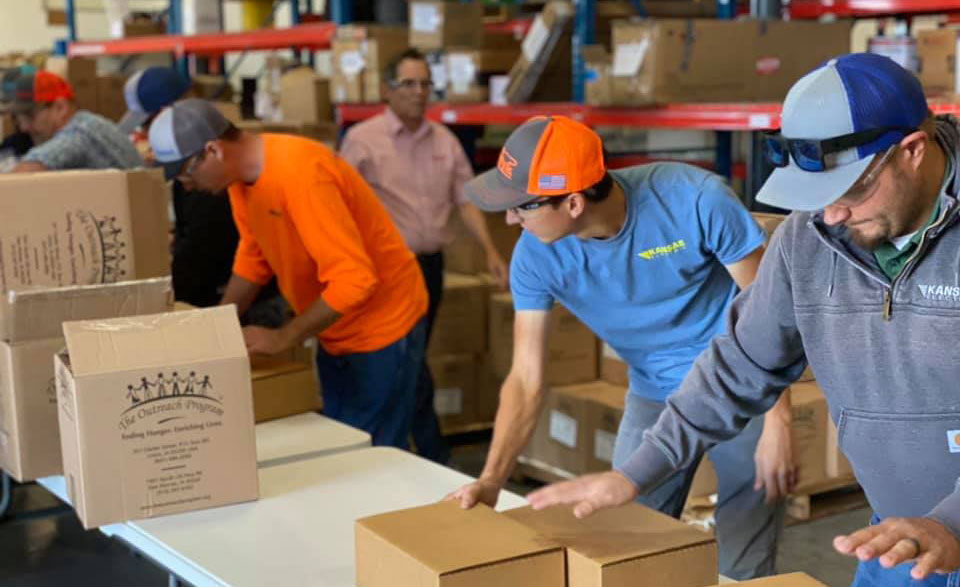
x=543, y=71
x=464, y=255
x=111, y=102
x=83, y=227
x=360, y=53
x=463, y=548
x=31, y=335
x=305, y=97
x=81, y=73
x=435, y=24
x=629, y=545
x=156, y=415
x=464, y=82
x=670, y=60
x=937, y=52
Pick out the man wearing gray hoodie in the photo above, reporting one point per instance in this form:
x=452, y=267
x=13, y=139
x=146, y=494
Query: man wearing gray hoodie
x=862, y=282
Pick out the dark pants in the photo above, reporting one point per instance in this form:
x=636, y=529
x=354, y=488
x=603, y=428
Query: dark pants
x=426, y=428
x=375, y=391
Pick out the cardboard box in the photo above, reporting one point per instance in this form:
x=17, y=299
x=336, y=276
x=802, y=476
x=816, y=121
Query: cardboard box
x=305, y=97
x=460, y=548
x=704, y=482
x=613, y=369
x=32, y=335
x=464, y=255
x=605, y=408
x=571, y=350
x=543, y=70
x=460, y=325
x=788, y=580
x=836, y=462
x=488, y=389
x=111, y=102
x=230, y=110
x=670, y=60
x=499, y=50
x=628, y=545
x=322, y=132
x=599, y=83
x=937, y=51
x=360, y=54
x=681, y=8
x=463, y=76
x=562, y=438
x=283, y=388
x=455, y=386
x=809, y=434
x=156, y=415
x=768, y=222
x=143, y=27
x=81, y=73
x=211, y=87
x=435, y=24
x=83, y=227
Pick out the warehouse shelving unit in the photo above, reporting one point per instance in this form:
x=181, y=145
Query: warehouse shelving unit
x=867, y=8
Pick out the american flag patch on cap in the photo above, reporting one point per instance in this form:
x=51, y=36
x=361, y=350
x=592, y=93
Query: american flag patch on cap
x=552, y=182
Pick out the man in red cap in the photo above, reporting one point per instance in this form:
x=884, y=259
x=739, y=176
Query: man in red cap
x=650, y=258
x=65, y=137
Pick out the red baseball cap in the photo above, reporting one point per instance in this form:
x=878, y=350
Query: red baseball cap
x=40, y=87
x=545, y=156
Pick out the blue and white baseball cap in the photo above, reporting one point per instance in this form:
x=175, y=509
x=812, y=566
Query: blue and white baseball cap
x=848, y=94
x=149, y=91
x=182, y=130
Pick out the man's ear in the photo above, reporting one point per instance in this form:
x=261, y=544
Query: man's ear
x=577, y=204
x=914, y=147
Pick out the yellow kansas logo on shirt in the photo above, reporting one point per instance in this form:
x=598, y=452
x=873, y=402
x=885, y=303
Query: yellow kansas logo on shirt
x=663, y=251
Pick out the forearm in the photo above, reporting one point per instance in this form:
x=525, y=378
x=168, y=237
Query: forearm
x=241, y=292
x=514, y=425
x=477, y=225
x=317, y=318
x=780, y=413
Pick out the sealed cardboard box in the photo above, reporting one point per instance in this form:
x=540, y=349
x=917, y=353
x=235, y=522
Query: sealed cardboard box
x=360, y=54
x=83, y=227
x=499, y=51
x=488, y=389
x=599, y=83
x=111, y=102
x=809, y=433
x=463, y=76
x=612, y=368
x=455, y=385
x=283, y=388
x=561, y=438
x=628, y=545
x=32, y=334
x=460, y=326
x=305, y=97
x=544, y=64
x=464, y=254
x=571, y=349
x=672, y=60
x=937, y=51
x=605, y=408
x=460, y=548
x=435, y=24
x=788, y=580
x=156, y=415
x=81, y=72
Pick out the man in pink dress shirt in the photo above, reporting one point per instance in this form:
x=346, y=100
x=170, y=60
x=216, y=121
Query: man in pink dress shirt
x=418, y=168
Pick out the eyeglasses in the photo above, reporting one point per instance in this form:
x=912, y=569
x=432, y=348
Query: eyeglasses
x=191, y=166
x=810, y=154
x=538, y=203
x=864, y=188
x=411, y=84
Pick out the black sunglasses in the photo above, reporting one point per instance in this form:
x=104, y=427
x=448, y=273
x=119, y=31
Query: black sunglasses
x=810, y=154
x=538, y=203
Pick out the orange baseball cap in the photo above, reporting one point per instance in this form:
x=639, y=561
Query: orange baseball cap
x=545, y=156
x=40, y=87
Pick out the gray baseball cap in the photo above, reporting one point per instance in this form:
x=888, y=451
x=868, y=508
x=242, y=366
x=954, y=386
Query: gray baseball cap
x=183, y=130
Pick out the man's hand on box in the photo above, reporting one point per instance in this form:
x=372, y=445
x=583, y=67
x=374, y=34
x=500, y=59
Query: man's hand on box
x=265, y=341
x=586, y=494
x=480, y=491
x=897, y=540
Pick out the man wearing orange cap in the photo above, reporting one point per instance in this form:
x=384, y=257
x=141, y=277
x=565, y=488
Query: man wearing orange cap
x=65, y=137
x=650, y=258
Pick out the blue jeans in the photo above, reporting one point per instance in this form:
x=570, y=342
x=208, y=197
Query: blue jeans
x=427, y=438
x=375, y=391
x=747, y=528
x=871, y=574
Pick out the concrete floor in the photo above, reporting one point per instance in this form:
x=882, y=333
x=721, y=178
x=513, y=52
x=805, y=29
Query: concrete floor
x=52, y=551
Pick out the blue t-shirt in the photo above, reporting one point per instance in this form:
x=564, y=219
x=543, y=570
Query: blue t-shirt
x=658, y=291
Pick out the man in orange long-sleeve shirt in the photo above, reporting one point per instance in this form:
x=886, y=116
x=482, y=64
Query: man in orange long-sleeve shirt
x=308, y=218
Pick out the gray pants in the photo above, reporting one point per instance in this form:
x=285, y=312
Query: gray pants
x=747, y=528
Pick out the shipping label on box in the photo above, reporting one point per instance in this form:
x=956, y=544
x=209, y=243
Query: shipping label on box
x=463, y=548
x=438, y=25
x=82, y=227
x=456, y=383
x=627, y=545
x=605, y=407
x=156, y=415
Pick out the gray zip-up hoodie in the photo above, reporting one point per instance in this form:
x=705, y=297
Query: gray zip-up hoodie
x=887, y=355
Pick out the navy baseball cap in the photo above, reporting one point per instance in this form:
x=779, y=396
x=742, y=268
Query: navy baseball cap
x=182, y=130
x=149, y=91
x=849, y=94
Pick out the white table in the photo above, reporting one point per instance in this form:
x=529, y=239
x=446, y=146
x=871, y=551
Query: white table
x=300, y=532
x=286, y=440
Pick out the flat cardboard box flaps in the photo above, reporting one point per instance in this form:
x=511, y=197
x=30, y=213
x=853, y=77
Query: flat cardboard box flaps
x=443, y=545
x=29, y=438
x=156, y=415
x=82, y=227
x=628, y=545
